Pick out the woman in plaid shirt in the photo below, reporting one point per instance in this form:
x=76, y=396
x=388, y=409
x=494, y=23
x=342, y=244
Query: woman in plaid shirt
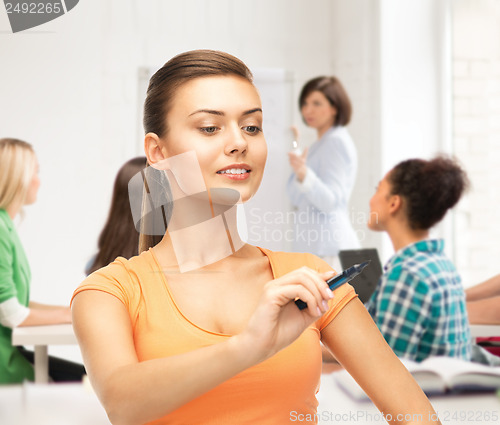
x=419, y=304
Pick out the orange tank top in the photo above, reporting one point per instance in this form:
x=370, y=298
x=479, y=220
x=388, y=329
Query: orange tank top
x=272, y=392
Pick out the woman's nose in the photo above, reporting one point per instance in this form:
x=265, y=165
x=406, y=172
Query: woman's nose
x=236, y=142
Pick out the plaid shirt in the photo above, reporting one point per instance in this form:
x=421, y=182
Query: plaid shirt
x=419, y=304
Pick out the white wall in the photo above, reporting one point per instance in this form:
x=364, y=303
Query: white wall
x=476, y=76
x=356, y=61
x=414, y=111
x=393, y=58
x=52, y=96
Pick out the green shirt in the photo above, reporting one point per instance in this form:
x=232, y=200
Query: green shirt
x=15, y=276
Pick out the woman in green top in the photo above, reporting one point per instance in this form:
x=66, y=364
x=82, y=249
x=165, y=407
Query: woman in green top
x=19, y=183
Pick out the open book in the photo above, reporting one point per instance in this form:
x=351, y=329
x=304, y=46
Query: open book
x=437, y=375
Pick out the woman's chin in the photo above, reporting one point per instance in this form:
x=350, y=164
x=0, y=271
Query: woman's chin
x=374, y=226
x=231, y=195
x=225, y=196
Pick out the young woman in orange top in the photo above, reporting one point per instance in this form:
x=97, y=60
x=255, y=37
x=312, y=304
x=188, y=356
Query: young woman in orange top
x=223, y=343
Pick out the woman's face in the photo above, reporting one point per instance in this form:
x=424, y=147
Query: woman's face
x=220, y=119
x=317, y=111
x=379, y=206
x=34, y=185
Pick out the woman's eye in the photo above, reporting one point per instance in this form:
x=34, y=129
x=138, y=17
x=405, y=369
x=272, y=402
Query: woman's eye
x=252, y=129
x=208, y=130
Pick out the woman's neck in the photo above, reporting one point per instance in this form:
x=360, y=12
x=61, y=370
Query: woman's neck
x=402, y=235
x=13, y=210
x=321, y=131
x=212, y=238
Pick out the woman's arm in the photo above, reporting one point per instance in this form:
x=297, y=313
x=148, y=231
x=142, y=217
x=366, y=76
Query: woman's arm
x=14, y=314
x=42, y=314
x=136, y=392
x=41, y=306
x=486, y=289
x=484, y=311
x=326, y=188
x=357, y=344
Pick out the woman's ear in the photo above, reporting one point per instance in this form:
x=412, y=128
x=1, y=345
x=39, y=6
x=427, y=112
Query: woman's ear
x=395, y=204
x=153, y=147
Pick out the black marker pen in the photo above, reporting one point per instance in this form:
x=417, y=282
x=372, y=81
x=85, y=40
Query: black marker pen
x=339, y=280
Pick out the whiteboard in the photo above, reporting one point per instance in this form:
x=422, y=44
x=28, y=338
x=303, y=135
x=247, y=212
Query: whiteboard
x=268, y=211
x=262, y=220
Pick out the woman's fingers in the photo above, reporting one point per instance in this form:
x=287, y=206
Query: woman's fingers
x=319, y=280
x=297, y=162
x=314, y=308
x=299, y=159
x=277, y=321
x=325, y=276
x=313, y=282
x=293, y=158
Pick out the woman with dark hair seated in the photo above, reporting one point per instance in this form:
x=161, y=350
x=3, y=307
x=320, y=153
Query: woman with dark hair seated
x=419, y=304
x=119, y=237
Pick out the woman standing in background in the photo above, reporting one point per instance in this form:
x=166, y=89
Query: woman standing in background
x=19, y=183
x=324, y=175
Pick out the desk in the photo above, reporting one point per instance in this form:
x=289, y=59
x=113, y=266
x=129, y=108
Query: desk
x=478, y=331
x=76, y=404
x=41, y=337
x=50, y=404
x=336, y=406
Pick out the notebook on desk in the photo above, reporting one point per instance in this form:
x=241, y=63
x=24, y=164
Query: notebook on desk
x=366, y=282
x=436, y=375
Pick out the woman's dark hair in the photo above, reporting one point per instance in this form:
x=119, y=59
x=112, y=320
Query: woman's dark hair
x=335, y=93
x=428, y=188
x=119, y=236
x=162, y=89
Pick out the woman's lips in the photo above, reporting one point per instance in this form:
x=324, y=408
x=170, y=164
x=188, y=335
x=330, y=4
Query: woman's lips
x=235, y=173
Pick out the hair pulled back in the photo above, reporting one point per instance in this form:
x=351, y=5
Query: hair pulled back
x=429, y=188
x=178, y=71
x=336, y=94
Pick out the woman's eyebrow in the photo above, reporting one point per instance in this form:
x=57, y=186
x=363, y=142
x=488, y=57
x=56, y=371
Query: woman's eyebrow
x=251, y=111
x=207, y=111
x=220, y=113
